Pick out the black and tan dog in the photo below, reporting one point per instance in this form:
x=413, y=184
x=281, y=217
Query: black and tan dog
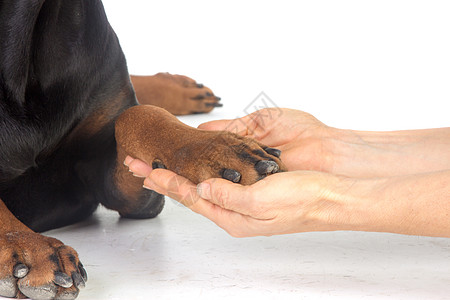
x=68, y=118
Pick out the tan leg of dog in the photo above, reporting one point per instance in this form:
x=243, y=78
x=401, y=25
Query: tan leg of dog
x=160, y=139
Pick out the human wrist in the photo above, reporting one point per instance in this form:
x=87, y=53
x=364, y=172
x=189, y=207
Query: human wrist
x=355, y=204
x=343, y=203
x=365, y=154
x=360, y=204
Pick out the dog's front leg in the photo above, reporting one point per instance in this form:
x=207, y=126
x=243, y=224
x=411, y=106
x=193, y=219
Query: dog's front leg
x=35, y=266
x=161, y=140
x=158, y=138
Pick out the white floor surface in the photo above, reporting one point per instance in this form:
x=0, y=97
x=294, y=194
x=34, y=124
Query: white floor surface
x=181, y=255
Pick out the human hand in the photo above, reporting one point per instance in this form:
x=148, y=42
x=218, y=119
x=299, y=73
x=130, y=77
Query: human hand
x=279, y=204
x=299, y=135
x=303, y=201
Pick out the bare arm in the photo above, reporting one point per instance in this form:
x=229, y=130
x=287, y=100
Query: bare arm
x=411, y=204
x=370, y=154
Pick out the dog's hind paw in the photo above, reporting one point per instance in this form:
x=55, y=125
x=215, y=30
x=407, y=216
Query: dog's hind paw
x=38, y=267
x=178, y=94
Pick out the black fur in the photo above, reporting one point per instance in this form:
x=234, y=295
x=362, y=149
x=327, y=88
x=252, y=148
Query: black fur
x=60, y=64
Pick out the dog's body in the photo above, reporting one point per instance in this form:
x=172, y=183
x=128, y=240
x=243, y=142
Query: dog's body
x=63, y=84
x=64, y=121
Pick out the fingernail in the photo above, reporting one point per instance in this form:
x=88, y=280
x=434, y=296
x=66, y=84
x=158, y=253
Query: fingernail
x=138, y=176
x=127, y=161
x=147, y=188
x=204, y=190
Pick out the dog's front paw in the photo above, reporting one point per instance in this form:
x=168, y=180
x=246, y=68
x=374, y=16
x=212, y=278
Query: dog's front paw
x=159, y=139
x=223, y=154
x=38, y=267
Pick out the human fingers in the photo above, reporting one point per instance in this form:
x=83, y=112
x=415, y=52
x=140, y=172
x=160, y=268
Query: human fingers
x=172, y=185
x=230, y=196
x=137, y=167
x=225, y=194
x=182, y=190
x=239, y=126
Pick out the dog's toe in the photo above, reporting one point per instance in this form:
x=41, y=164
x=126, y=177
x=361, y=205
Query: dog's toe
x=20, y=271
x=78, y=280
x=265, y=167
x=44, y=292
x=232, y=175
x=63, y=280
x=8, y=287
x=67, y=295
x=202, y=100
x=273, y=151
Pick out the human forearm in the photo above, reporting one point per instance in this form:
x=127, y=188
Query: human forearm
x=412, y=204
x=375, y=154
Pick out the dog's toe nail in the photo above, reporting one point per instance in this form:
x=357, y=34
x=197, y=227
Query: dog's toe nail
x=63, y=280
x=78, y=280
x=213, y=104
x=82, y=272
x=198, y=97
x=217, y=98
x=273, y=151
x=231, y=175
x=20, y=271
x=200, y=85
x=158, y=165
x=266, y=167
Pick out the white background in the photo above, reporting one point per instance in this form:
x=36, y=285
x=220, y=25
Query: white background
x=375, y=65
